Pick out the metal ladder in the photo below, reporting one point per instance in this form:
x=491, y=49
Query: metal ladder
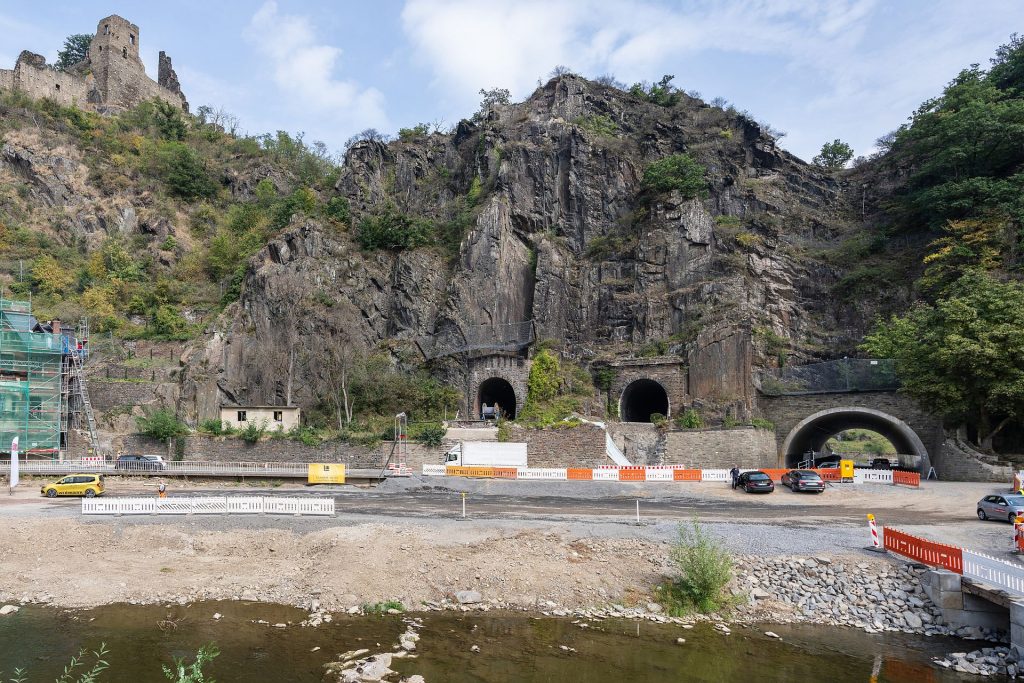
x=83, y=395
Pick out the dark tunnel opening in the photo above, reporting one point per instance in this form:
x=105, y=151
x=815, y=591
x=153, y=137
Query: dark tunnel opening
x=810, y=438
x=496, y=391
x=641, y=399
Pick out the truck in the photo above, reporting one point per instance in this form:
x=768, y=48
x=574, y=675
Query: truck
x=487, y=454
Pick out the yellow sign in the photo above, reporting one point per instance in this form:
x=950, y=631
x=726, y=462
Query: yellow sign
x=326, y=473
x=846, y=469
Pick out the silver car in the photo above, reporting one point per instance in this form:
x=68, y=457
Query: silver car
x=998, y=506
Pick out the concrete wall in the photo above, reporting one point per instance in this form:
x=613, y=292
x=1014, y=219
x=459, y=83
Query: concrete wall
x=582, y=446
x=721, y=448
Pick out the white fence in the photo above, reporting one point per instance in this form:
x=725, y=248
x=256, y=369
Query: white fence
x=434, y=470
x=995, y=571
x=872, y=476
x=714, y=475
x=540, y=473
x=208, y=505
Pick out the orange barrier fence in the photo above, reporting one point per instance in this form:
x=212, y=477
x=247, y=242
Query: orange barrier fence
x=579, y=474
x=627, y=474
x=469, y=471
x=776, y=475
x=686, y=475
x=505, y=473
x=906, y=478
x=830, y=474
x=924, y=551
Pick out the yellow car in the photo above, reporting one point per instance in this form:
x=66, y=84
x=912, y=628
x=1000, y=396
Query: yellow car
x=87, y=485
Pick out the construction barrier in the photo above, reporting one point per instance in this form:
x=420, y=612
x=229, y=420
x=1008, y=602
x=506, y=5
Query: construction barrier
x=924, y=551
x=208, y=505
x=579, y=474
x=873, y=476
x=686, y=475
x=830, y=474
x=505, y=473
x=993, y=570
x=714, y=475
x=906, y=478
x=632, y=474
x=606, y=474
x=658, y=474
x=434, y=470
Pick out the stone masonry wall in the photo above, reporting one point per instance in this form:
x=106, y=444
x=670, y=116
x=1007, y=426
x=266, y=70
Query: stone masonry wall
x=721, y=448
x=32, y=76
x=7, y=79
x=669, y=372
x=232, y=449
x=581, y=446
x=640, y=442
x=513, y=370
x=955, y=461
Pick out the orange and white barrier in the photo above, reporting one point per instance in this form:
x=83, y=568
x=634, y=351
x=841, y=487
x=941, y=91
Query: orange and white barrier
x=875, y=543
x=651, y=473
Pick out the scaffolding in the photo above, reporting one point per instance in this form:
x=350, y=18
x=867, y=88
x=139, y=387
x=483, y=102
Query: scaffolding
x=42, y=392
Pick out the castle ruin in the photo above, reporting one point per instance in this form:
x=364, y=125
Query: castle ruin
x=112, y=78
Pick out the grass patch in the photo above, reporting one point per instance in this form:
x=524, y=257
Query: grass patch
x=381, y=608
x=705, y=568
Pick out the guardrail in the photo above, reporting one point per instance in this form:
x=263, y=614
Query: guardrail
x=209, y=505
x=194, y=468
x=968, y=563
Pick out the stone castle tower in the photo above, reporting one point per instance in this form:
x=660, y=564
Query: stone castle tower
x=111, y=78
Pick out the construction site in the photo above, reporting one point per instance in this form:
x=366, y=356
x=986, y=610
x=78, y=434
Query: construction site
x=43, y=397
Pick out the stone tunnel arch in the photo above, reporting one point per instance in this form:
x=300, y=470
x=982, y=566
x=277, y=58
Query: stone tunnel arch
x=811, y=433
x=642, y=398
x=497, y=390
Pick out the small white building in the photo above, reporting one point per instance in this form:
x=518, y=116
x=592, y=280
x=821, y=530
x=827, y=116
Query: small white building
x=273, y=418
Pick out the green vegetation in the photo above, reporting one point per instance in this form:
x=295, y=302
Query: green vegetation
x=431, y=434
x=161, y=424
x=662, y=93
x=418, y=131
x=381, y=608
x=392, y=230
x=253, y=431
x=677, y=172
x=834, y=155
x=598, y=124
x=961, y=356
x=75, y=50
x=215, y=428
x=659, y=420
x=79, y=669
x=857, y=441
x=762, y=423
x=504, y=429
x=553, y=392
x=705, y=568
x=192, y=673
x=690, y=419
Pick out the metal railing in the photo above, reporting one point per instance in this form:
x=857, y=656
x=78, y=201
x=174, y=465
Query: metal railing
x=209, y=505
x=166, y=469
x=834, y=376
x=500, y=337
x=995, y=571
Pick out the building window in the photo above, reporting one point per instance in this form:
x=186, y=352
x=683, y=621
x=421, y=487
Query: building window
x=57, y=86
x=278, y=416
x=106, y=29
x=124, y=52
x=131, y=38
x=241, y=416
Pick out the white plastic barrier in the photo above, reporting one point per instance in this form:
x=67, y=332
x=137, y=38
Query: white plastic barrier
x=658, y=474
x=433, y=470
x=208, y=505
x=540, y=473
x=714, y=475
x=872, y=476
x=995, y=571
x=606, y=474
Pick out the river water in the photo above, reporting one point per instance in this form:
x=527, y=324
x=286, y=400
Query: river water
x=513, y=647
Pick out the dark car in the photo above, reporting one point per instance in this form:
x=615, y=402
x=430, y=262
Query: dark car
x=803, y=480
x=755, y=482
x=881, y=464
x=139, y=462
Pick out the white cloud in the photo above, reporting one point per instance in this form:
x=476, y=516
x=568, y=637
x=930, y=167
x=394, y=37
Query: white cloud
x=304, y=69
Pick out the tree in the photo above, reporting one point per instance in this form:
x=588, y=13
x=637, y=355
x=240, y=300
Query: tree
x=342, y=366
x=76, y=49
x=834, y=155
x=495, y=97
x=161, y=424
x=676, y=172
x=963, y=356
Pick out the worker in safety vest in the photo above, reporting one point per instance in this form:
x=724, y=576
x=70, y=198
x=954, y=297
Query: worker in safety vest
x=162, y=488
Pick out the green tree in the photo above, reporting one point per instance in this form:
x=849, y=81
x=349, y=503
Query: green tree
x=76, y=49
x=677, y=172
x=961, y=357
x=543, y=382
x=161, y=424
x=834, y=155
x=184, y=171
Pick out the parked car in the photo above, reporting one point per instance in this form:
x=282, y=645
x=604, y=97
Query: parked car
x=140, y=462
x=829, y=464
x=998, y=506
x=755, y=482
x=87, y=485
x=881, y=464
x=803, y=480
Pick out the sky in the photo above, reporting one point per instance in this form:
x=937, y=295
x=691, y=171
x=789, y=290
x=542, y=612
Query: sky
x=816, y=69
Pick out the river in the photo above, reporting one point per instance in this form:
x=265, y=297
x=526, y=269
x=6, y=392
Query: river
x=513, y=647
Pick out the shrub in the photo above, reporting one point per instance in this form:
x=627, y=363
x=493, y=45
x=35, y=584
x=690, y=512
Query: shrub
x=192, y=673
x=748, y=240
x=181, y=168
x=431, y=434
x=338, y=209
x=730, y=422
x=417, y=131
x=161, y=424
x=659, y=420
x=381, y=608
x=504, y=429
x=690, y=419
x=676, y=172
x=215, y=427
x=704, y=567
x=761, y=423
x=253, y=432
x=542, y=384
x=598, y=124
x=662, y=93
x=392, y=230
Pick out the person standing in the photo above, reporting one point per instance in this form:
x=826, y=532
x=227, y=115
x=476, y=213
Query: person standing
x=162, y=489
x=734, y=473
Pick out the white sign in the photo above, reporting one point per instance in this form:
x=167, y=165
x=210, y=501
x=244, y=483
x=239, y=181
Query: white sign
x=14, y=463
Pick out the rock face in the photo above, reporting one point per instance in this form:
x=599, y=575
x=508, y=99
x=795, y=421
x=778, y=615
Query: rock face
x=543, y=206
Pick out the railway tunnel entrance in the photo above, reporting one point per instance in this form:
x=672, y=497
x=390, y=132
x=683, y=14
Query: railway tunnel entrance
x=810, y=435
x=641, y=399
x=496, y=392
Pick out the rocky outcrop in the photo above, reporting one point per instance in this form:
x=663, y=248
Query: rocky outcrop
x=548, y=222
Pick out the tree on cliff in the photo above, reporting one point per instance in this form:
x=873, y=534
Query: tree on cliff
x=834, y=155
x=76, y=49
x=963, y=356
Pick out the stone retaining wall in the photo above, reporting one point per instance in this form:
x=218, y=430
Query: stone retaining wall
x=721, y=448
x=955, y=461
x=582, y=446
